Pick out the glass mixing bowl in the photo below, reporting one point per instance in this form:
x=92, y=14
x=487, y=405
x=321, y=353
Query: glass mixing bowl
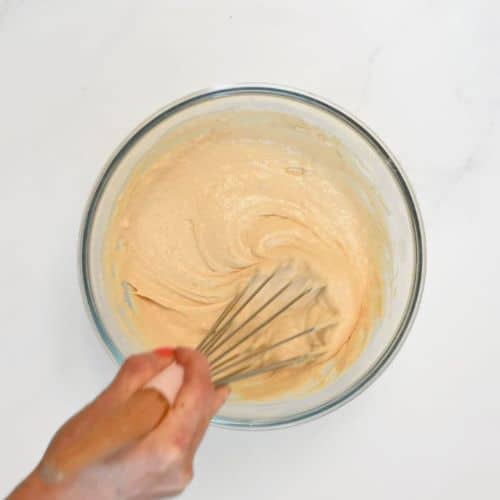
x=404, y=281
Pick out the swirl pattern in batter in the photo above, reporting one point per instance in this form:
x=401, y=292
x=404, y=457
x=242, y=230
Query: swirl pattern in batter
x=236, y=193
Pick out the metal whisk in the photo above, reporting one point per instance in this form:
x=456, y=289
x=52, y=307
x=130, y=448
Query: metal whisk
x=228, y=334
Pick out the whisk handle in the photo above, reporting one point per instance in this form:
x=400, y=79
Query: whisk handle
x=132, y=420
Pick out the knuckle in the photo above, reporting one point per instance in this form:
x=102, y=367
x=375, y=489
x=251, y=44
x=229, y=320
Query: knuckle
x=133, y=364
x=183, y=476
x=160, y=460
x=133, y=368
x=201, y=359
x=175, y=451
x=210, y=398
x=168, y=456
x=201, y=391
x=202, y=387
x=163, y=459
x=132, y=373
x=181, y=441
x=194, y=359
x=170, y=461
x=186, y=475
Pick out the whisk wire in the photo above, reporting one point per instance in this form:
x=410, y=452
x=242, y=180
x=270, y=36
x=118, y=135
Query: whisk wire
x=287, y=363
x=218, y=321
x=240, y=358
x=262, y=325
x=230, y=335
x=229, y=366
x=216, y=335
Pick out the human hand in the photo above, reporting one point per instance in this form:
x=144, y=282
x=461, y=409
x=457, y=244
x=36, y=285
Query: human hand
x=160, y=464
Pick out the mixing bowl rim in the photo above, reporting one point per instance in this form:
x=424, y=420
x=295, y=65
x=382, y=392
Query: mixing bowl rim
x=362, y=130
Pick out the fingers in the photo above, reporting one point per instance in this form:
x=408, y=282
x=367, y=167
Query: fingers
x=197, y=394
x=197, y=373
x=164, y=458
x=194, y=406
x=221, y=394
x=135, y=372
x=195, y=397
x=195, y=364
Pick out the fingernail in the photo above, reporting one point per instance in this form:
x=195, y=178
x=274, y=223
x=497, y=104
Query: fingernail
x=165, y=352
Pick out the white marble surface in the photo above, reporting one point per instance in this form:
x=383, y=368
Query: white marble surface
x=75, y=77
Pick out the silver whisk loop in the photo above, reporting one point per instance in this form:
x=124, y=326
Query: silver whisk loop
x=221, y=339
x=264, y=323
x=227, y=366
x=287, y=363
x=239, y=358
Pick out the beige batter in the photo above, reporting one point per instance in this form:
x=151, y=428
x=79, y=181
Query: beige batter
x=236, y=194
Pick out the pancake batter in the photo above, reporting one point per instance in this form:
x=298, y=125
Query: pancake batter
x=225, y=197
